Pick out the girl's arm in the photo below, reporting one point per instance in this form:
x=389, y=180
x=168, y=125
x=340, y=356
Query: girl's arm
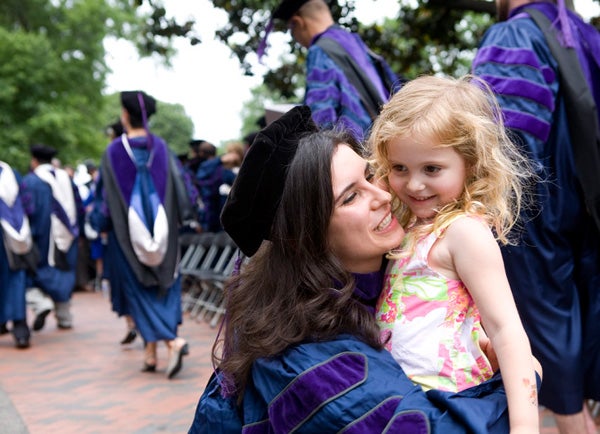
x=478, y=262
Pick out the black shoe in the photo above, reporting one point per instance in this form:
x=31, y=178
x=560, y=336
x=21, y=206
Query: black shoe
x=22, y=343
x=148, y=367
x=129, y=337
x=21, y=334
x=40, y=320
x=3, y=329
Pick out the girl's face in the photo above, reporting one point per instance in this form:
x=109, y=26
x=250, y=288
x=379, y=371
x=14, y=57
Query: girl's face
x=362, y=227
x=424, y=175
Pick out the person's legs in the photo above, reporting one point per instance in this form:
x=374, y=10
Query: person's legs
x=21, y=333
x=149, y=357
x=578, y=423
x=40, y=304
x=178, y=348
x=63, y=314
x=131, y=332
x=99, y=272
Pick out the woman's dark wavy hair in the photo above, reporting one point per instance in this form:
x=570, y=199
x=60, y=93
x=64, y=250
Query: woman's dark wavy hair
x=286, y=294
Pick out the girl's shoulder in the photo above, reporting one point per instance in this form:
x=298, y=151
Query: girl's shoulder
x=460, y=223
x=466, y=229
x=468, y=222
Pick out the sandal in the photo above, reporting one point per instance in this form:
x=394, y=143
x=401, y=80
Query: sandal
x=150, y=358
x=176, y=358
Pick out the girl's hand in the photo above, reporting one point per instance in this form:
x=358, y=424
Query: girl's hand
x=486, y=346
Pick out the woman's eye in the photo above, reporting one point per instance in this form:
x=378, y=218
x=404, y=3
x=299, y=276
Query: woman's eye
x=370, y=177
x=349, y=198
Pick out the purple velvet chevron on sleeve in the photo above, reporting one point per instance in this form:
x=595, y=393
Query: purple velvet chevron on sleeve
x=413, y=422
x=315, y=388
x=515, y=61
x=357, y=50
x=384, y=419
x=333, y=100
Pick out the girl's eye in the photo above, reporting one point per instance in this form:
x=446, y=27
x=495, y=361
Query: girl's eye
x=370, y=177
x=432, y=169
x=399, y=168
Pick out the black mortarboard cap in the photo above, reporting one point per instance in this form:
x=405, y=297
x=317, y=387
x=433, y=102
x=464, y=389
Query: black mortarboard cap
x=90, y=165
x=42, y=153
x=195, y=143
x=252, y=203
x=131, y=102
x=287, y=8
x=116, y=128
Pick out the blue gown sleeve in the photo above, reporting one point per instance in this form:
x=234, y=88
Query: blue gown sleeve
x=346, y=386
x=99, y=216
x=215, y=414
x=323, y=87
x=515, y=61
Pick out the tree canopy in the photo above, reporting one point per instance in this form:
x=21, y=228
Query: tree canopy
x=53, y=72
x=426, y=36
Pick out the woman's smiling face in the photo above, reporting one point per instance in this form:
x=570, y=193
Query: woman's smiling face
x=362, y=227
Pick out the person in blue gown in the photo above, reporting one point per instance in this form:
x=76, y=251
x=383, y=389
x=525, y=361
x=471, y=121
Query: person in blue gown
x=55, y=212
x=141, y=201
x=300, y=349
x=554, y=269
x=346, y=83
x=15, y=235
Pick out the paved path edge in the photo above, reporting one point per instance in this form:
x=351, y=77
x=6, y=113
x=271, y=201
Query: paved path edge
x=10, y=419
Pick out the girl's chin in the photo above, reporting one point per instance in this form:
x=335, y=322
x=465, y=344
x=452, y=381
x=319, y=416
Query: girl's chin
x=422, y=214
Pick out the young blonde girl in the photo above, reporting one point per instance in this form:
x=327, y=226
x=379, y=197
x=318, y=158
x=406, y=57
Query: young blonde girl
x=457, y=180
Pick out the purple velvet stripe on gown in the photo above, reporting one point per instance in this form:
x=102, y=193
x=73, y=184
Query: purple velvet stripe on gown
x=368, y=287
x=410, y=422
x=125, y=169
x=377, y=419
x=14, y=215
x=587, y=44
x=299, y=400
x=12, y=283
x=356, y=49
x=542, y=278
x=61, y=214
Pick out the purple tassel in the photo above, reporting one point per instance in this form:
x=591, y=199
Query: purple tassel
x=238, y=264
x=143, y=108
x=145, y=122
x=227, y=383
x=262, y=46
x=565, y=34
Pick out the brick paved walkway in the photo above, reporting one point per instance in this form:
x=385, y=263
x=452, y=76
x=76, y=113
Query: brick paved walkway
x=82, y=381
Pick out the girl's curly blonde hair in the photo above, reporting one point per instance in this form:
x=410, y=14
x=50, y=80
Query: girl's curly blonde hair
x=462, y=114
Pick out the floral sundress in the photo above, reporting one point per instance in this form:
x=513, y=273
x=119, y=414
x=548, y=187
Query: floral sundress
x=431, y=324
